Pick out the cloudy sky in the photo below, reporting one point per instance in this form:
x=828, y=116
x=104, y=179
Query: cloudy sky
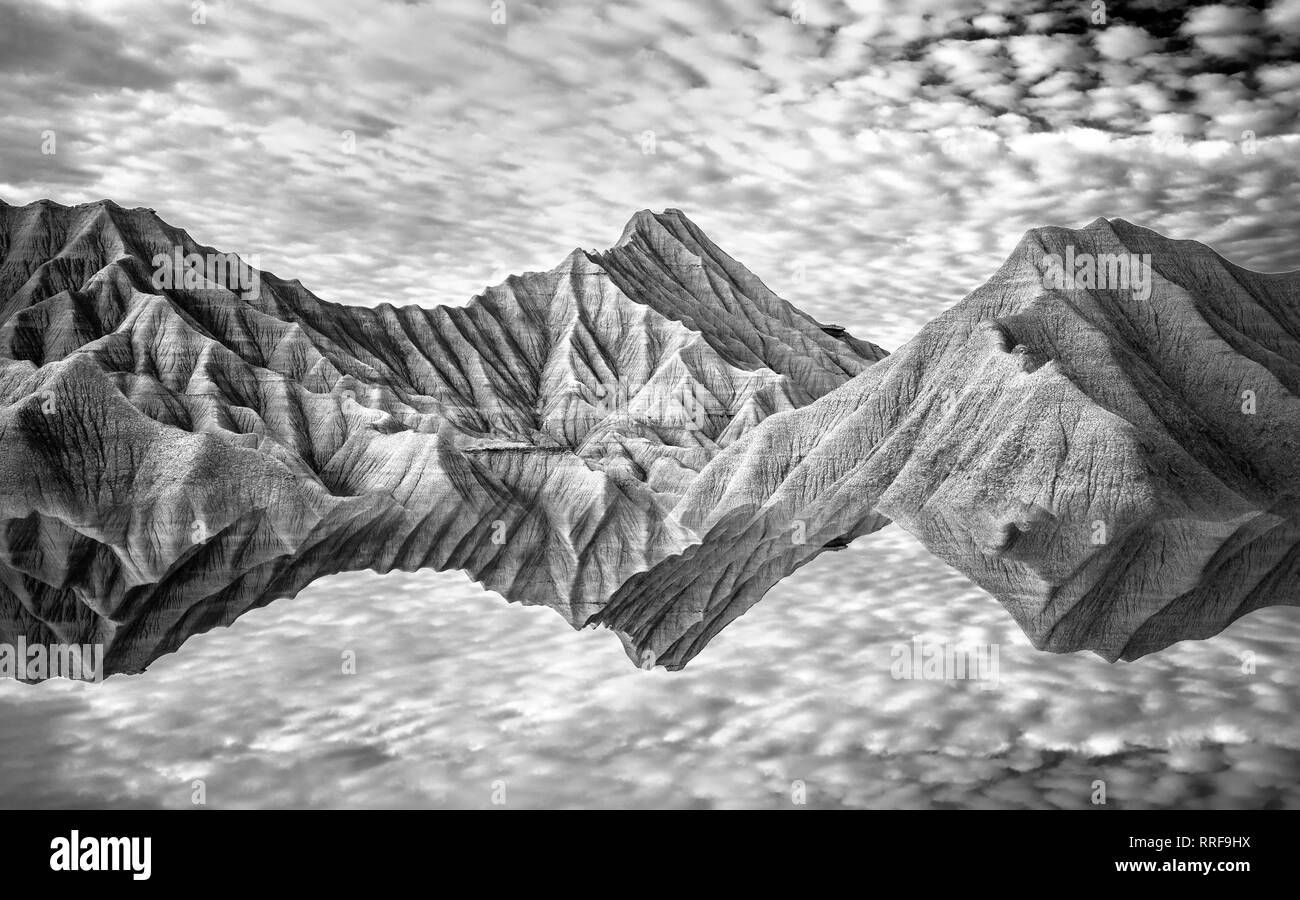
x=873, y=161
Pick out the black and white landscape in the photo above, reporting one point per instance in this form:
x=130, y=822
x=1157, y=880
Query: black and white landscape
x=1029, y=549
x=645, y=438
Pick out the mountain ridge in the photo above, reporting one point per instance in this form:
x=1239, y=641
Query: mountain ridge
x=1075, y=367
x=646, y=438
x=556, y=408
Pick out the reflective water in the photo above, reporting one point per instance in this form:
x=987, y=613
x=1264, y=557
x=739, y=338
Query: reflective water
x=460, y=699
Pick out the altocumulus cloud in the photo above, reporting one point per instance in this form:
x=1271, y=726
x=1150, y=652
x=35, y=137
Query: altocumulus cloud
x=872, y=160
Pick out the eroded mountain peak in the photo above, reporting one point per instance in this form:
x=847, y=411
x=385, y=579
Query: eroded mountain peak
x=1105, y=436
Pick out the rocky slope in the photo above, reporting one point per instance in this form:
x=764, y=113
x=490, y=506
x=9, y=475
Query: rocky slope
x=645, y=438
x=184, y=439
x=1118, y=465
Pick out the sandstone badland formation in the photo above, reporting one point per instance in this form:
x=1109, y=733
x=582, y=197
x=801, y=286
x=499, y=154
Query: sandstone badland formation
x=645, y=438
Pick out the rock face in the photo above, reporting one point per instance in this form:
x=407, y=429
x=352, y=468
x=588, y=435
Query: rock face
x=1119, y=465
x=183, y=438
x=645, y=438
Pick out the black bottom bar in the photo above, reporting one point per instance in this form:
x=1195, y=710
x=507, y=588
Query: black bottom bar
x=654, y=850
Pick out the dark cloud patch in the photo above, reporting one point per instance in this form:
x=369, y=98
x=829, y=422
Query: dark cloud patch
x=366, y=124
x=214, y=73
x=27, y=164
x=73, y=50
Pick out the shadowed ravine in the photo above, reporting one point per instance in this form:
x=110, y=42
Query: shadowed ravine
x=646, y=438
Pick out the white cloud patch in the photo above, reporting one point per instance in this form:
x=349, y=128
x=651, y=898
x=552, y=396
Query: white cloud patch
x=1124, y=42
